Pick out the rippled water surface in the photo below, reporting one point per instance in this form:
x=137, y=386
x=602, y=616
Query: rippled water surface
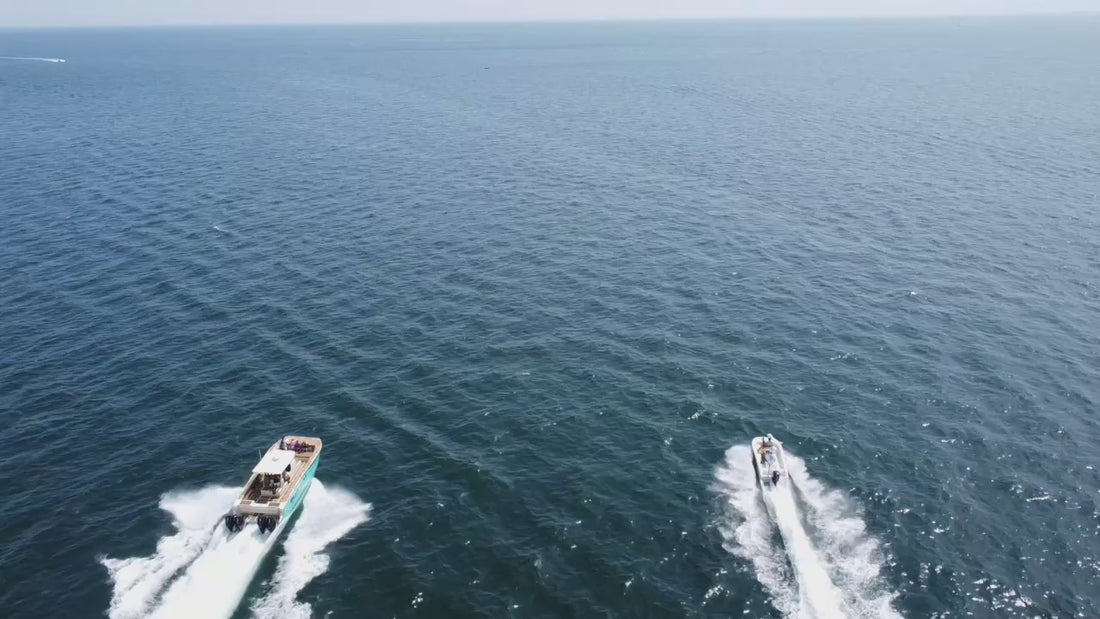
x=537, y=287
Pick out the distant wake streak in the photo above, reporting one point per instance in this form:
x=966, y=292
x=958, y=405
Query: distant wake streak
x=823, y=564
x=32, y=58
x=200, y=571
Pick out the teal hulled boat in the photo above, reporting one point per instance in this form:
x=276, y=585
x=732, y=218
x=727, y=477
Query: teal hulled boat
x=278, y=485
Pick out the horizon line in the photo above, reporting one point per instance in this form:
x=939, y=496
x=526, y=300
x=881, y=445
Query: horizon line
x=576, y=20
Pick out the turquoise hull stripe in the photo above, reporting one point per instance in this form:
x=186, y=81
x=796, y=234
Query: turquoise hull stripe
x=303, y=489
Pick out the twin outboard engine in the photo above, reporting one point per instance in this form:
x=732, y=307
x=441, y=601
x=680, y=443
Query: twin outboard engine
x=234, y=522
x=267, y=523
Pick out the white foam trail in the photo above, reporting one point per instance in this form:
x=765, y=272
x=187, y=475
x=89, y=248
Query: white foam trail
x=748, y=531
x=818, y=596
x=836, y=563
x=200, y=571
x=32, y=58
x=327, y=515
x=855, y=557
x=213, y=585
x=138, y=581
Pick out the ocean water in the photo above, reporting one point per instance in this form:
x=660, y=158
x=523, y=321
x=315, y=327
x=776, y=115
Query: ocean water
x=537, y=286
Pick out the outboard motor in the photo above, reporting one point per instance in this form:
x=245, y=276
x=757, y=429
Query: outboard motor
x=775, y=478
x=267, y=523
x=234, y=522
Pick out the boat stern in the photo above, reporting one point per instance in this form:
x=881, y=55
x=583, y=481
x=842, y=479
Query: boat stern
x=278, y=485
x=768, y=461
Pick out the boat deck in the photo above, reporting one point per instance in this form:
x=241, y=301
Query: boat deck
x=260, y=498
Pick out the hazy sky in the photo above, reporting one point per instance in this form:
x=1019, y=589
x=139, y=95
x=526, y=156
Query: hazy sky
x=16, y=13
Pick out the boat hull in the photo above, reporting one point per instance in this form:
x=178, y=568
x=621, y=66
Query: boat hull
x=278, y=486
x=768, y=462
x=302, y=490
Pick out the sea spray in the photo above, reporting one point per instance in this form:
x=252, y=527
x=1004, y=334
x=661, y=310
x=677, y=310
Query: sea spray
x=328, y=515
x=854, y=555
x=138, y=581
x=835, y=565
x=818, y=596
x=748, y=532
x=201, y=571
x=213, y=585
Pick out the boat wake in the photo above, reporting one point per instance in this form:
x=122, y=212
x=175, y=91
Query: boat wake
x=813, y=553
x=200, y=570
x=139, y=581
x=328, y=515
x=32, y=58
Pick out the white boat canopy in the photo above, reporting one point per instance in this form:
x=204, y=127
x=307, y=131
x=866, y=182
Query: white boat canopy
x=274, y=462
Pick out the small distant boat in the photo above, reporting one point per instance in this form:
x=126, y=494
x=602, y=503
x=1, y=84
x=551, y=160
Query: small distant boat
x=768, y=462
x=278, y=485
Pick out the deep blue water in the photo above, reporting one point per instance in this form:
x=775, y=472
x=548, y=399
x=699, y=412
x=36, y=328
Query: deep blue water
x=531, y=282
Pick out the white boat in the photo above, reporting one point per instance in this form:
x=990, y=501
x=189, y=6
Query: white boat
x=278, y=485
x=768, y=462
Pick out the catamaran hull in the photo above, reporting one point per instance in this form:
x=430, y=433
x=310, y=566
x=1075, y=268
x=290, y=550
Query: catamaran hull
x=263, y=503
x=274, y=524
x=303, y=489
